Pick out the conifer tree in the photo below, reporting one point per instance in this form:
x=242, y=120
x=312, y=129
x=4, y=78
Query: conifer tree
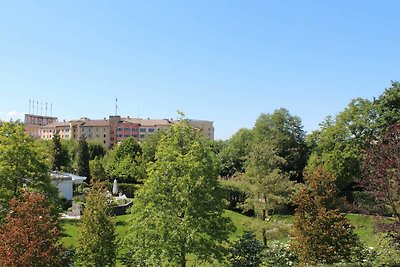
x=83, y=159
x=57, y=152
x=96, y=244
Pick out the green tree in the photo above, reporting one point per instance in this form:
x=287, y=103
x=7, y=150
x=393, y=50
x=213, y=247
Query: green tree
x=179, y=209
x=270, y=186
x=388, y=107
x=96, y=244
x=82, y=158
x=235, y=153
x=321, y=233
x=285, y=134
x=22, y=164
x=124, y=162
x=341, y=142
x=96, y=149
x=246, y=252
x=60, y=154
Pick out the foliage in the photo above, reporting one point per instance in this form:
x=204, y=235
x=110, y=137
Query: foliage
x=60, y=154
x=234, y=153
x=82, y=159
x=388, y=107
x=321, y=233
x=278, y=254
x=236, y=192
x=339, y=145
x=283, y=132
x=179, y=209
x=124, y=162
x=270, y=186
x=22, y=164
x=96, y=149
x=97, y=170
x=246, y=252
x=382, y=177
x=96, y=242
x=29, y=236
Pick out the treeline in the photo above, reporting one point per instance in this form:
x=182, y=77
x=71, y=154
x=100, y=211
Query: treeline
x=272, y=168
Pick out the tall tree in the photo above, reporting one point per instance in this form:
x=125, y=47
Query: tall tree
x=388, y=107
x=60, y=154
x=96, y=243
x=285, y=133
x=271, y=187
x=381, y=179
x=83, y=159
x=235, y=153
x=30, y=234
x=21, y=165
x=124, y=162
x=179, y=209
x=321, y=233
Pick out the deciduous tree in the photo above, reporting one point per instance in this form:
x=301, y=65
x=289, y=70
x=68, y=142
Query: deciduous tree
x=321, y=233
x=96, y=243
x=179, y=209
x=30, y=234
x=381, y=170
x=22, y=164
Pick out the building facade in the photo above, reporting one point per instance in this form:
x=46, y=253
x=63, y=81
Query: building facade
x=108, y=132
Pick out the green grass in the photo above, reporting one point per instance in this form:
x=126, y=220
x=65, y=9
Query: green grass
x=277, y=228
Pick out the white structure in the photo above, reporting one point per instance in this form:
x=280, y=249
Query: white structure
x=65, y=183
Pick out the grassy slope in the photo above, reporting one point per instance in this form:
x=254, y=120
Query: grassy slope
x=277, y=228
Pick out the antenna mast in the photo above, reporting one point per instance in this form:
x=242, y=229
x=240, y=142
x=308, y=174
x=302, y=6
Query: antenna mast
x=116, y=106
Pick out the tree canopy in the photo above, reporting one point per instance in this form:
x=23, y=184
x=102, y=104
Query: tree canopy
x=179, y=209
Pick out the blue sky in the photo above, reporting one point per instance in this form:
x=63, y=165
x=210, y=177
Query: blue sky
x=225, y=61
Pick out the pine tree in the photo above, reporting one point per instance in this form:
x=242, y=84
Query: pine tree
x=57, y=152
x=321, y=233
x=96, y=243
x=83, y=159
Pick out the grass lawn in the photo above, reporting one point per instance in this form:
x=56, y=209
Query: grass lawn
x=277, y=228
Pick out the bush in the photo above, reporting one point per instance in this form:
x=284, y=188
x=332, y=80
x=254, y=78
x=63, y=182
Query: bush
x=278, y=254
x=246, y=252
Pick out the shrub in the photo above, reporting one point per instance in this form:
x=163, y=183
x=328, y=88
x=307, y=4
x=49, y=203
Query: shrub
x=278, y=254
x=246, y=252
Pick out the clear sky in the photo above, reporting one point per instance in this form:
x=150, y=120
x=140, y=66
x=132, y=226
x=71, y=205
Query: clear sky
x=224, y=61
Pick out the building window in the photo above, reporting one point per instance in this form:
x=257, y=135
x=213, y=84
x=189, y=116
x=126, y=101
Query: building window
x=119, y=135
x=127, y=129
x=150, y=130
x=142, y=130
x=104, y=141
x=134, y=130
x=142, y=136
x=104, y=135
x=135, y=135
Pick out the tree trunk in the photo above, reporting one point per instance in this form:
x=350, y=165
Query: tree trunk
x=264, y=215
x=264, y=234
x=183, y=255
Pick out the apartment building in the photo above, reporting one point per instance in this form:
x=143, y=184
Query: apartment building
x=149, y=126
x=108, y=132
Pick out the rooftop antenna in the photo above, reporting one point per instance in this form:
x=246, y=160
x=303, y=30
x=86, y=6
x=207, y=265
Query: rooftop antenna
x=46, y=109
x=51, y=109
x=116, y=106
x=30, y=101
x=33, y=107
x=41, y=108
x=37, y=107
